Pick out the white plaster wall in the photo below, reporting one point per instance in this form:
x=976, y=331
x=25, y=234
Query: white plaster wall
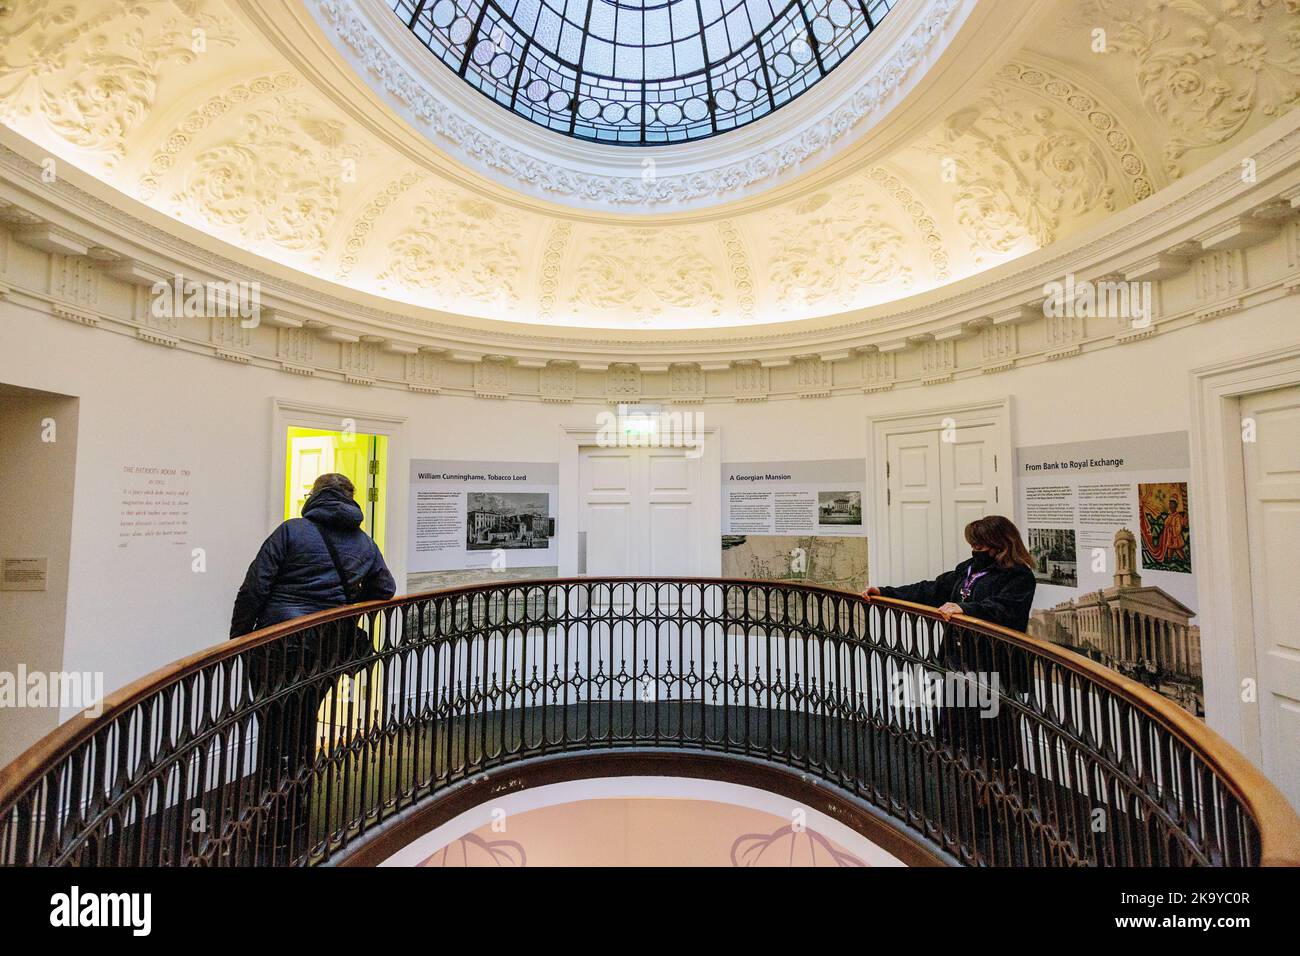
x=130, y=612
x=37, y=478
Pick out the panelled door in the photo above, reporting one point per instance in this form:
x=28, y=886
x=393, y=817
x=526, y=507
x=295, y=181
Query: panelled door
x=937, y=482
x=915, y=505
x=639, y=512
x=968, y=486
x=1272, y=472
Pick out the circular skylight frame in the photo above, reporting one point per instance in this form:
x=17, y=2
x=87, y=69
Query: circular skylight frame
x=525, y=56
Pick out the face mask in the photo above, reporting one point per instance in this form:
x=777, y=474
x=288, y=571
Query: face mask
x=981, y=558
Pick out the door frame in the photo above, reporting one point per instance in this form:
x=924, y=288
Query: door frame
x=573, y=438
x=996, y=412
x=287, y=413
x=1219, y=539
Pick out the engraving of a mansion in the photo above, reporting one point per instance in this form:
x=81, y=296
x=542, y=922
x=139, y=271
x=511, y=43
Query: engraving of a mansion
x=1142, y=632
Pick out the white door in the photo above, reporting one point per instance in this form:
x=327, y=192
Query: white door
x=915, y=506
x=309, y=459
x=1272, y=466
x=968, y=485
x=640, y=511
x=937, y=481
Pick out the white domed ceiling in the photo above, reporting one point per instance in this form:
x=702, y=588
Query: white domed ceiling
x=287, y=130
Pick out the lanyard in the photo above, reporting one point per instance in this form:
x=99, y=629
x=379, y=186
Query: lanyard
x=971, y=577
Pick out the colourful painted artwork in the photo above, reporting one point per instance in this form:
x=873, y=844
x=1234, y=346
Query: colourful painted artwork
x=1166, y=532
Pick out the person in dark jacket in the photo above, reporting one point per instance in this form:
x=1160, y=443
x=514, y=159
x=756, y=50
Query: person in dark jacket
x=294, y=574
x=319, y=561
x=996, y=584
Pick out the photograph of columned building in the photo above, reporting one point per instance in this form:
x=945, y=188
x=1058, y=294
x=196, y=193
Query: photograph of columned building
x=840, y=507
x=1141, y=631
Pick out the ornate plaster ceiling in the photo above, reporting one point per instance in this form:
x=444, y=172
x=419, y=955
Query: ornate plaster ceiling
x=198, y=109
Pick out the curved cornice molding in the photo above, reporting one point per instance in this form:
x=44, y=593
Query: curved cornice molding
x=856, y=96
x=273, y=154
x=1208, y=212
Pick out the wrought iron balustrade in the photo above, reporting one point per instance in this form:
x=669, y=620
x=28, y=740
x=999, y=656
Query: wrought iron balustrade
x=339, y=737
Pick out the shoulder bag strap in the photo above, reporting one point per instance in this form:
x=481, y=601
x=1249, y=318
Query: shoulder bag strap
x=348, y=594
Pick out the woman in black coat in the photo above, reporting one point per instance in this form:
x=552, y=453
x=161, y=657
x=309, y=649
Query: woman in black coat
x=321, y=560
x=294, y=572
x=996, y=584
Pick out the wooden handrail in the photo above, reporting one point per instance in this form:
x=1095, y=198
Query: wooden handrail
x=1276, y=819
x=1279, y=824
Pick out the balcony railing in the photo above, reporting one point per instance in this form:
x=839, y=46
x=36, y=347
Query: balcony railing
x=340, y=737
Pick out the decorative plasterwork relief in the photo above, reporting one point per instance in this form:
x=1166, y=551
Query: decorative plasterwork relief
x=1064, y=334
x=1019, y=170
x=1102, y=121
x=74, y=280
x=215, y=109
x=1207, y=69
x=92, y=72
x=648, y=273
x=557, y=242
x=364, y=224
x=280, y=180
x=464, y=248
x=922, y=220
x=741, y=269
x=828, y=250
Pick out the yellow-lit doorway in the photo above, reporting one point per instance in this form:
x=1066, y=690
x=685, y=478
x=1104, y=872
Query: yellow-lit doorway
x=363, y=458
x=313, y=452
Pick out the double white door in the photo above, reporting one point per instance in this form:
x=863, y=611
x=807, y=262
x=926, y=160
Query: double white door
x=640, y=512
x=936, y=482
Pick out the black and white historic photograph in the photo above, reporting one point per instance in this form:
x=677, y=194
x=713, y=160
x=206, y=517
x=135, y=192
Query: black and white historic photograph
x=1055, y=558
x=513, y=519
x=839, y=507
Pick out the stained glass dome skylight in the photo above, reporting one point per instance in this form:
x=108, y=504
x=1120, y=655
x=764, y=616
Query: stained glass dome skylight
x=641, y=72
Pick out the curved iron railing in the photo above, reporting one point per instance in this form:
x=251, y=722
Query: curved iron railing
x=297, y=744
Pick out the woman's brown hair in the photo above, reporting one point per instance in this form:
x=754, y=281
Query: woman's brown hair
x=1000, y=538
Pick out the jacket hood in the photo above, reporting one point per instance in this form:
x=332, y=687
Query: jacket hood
x=333, y=508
